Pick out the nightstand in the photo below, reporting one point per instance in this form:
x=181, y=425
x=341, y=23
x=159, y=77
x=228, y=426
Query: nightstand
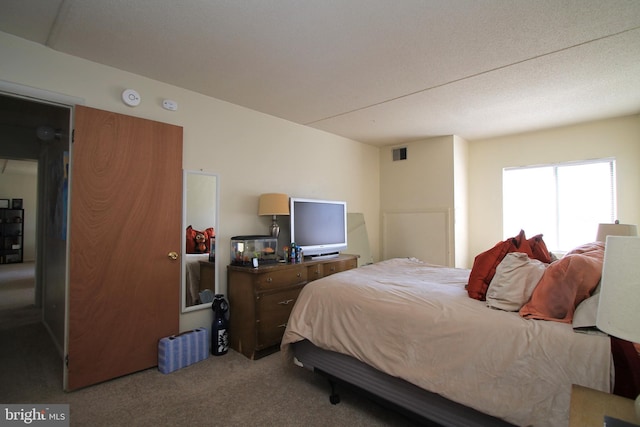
x=588, y=407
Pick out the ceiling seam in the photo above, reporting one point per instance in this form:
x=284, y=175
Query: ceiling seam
x=502, y=67
x=56, y=27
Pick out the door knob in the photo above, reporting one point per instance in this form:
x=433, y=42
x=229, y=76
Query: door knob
x=173, y=255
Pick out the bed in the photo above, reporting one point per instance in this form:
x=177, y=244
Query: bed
x=408, y=332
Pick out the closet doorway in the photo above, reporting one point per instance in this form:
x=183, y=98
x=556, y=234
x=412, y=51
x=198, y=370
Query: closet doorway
x=34, y=143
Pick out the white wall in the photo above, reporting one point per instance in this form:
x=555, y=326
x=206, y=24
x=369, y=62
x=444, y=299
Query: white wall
x=252, y=153
x=461, y=200
x=618, y=137
x=421, y=187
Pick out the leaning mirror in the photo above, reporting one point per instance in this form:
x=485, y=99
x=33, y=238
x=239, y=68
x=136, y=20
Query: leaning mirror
x=199, y=227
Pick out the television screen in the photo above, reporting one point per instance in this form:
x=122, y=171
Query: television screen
x=319, y=227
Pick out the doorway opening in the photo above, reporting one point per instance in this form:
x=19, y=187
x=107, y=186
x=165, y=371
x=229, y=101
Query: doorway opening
x=34, y=153
x=18, y=187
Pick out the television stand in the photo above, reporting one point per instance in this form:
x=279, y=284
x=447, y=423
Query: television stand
x=322, y=256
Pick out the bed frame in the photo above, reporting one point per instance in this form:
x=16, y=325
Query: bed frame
x=419, y=404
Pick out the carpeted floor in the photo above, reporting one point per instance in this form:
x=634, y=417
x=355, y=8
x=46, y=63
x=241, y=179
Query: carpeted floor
x=228, y=390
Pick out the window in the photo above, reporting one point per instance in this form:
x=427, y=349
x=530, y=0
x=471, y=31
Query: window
x=564, y=202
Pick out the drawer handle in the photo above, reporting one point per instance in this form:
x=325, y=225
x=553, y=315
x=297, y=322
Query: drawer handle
x=285, y=302
x=284, y=325
x=333, y=269
x=269, y=279
x=299, y=275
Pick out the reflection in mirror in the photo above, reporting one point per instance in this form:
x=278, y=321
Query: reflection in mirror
x=200, y=224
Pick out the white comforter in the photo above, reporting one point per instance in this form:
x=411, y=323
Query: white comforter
x=415, y=321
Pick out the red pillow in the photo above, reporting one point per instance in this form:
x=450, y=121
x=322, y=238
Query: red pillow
x=484, y=265
x=539, y=249
x=595, y=249
x=191, y=239
x=565, y=284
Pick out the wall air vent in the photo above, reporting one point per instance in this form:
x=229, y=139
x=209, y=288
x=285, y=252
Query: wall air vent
x=400, y=153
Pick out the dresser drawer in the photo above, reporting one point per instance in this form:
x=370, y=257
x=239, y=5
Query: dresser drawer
x=337, y=266
x=272, y=314
x=280, y=278
x=314, y=272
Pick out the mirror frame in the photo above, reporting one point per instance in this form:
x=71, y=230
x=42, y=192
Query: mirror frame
x=183, y=281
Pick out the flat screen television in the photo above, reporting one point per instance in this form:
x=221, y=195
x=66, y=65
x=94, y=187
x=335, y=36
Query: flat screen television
x=319, y=227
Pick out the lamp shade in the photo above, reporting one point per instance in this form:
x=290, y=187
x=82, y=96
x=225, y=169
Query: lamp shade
x=616, y=229
x=619, y=305
x=273, y=204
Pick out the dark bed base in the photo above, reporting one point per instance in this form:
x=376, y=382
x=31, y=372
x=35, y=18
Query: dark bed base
x=414, y=402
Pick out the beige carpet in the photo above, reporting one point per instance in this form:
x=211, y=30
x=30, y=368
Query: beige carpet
x=228, y=390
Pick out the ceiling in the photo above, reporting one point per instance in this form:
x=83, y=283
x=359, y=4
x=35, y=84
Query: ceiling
x=378, y=71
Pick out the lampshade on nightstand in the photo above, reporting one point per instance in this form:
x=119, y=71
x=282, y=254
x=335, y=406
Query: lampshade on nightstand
x=274, y=204
x=615, y=229
x=619, y=305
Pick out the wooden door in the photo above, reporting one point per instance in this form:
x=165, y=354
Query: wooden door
x=125, y=218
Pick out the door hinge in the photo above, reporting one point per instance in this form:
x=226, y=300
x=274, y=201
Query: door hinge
x=73, y=136
x=66, y=361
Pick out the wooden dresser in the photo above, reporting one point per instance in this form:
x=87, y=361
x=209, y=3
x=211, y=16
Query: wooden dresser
x=261, y=299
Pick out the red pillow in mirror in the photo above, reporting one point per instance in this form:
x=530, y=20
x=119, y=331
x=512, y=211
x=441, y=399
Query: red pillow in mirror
x=191, y=239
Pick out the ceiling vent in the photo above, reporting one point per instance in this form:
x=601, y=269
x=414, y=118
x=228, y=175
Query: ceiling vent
x=400, y=154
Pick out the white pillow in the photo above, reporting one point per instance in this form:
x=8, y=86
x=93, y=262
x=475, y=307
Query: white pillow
x=584, y=318
x=515, y=279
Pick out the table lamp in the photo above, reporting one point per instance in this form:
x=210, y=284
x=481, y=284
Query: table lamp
x=619, y=305
x=274, y=204
x=615, y=229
